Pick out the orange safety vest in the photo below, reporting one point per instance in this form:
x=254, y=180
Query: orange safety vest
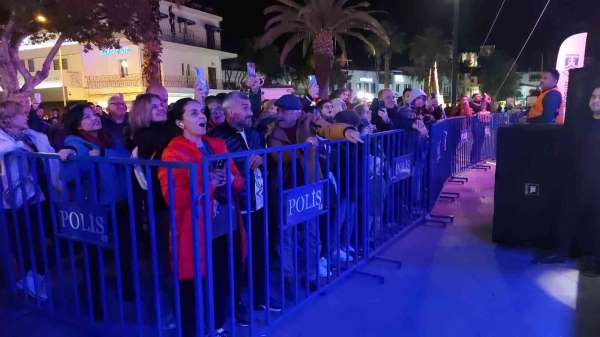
x=538, y=107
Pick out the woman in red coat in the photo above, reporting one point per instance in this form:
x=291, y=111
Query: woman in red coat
x=187, y=114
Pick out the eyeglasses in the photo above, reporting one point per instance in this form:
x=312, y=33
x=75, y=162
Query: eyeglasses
x=120, y=104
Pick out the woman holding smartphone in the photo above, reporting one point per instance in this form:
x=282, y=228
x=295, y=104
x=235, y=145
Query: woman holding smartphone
x=191, y=146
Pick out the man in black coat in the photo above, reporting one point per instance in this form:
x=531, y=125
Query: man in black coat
x=240, y=136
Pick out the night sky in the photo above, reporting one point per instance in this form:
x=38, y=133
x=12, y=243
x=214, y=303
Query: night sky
x=244, y=19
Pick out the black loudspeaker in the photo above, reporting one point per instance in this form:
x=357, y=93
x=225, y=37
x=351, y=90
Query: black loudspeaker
x=533, y=181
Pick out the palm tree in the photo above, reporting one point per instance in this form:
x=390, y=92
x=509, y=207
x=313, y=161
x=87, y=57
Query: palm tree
x=322, y=25
x=384, y=51
x=428, y=48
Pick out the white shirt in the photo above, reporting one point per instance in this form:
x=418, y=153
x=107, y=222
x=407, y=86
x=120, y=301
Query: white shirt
x=258, y=180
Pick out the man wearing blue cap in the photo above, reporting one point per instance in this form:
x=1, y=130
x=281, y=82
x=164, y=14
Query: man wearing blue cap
x=297, y=127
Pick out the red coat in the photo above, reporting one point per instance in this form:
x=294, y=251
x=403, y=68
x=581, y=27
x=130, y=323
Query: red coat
x=182, y=150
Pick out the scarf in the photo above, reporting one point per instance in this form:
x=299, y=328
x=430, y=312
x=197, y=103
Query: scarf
x=22, y=137
x=101, y=139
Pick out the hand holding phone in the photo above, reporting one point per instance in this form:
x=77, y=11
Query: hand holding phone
x=251, y=69
x=382, y=112
x=201, y=84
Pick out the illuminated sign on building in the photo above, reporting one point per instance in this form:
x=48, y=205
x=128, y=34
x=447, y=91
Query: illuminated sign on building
x=113, y=51
x=366, y=80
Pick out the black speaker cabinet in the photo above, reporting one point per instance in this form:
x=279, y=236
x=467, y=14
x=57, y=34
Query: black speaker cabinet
x=533, y=181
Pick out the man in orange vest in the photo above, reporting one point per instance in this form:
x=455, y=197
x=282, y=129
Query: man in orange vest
x=548, y=104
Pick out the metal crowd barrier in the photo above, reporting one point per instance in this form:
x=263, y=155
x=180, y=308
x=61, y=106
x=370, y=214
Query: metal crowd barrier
x=460, y=144
x=111, y=253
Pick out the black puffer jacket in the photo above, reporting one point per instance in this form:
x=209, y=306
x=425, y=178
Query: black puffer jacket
x=150, y=143
x=235, y=143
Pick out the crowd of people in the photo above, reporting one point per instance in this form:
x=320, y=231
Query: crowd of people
x=188, y=130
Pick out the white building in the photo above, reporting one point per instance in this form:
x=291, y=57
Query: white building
x=529, y=81
x=190, y=38
x=367, y=83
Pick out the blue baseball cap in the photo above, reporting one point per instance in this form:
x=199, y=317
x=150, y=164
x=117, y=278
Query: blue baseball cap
x=289, y=102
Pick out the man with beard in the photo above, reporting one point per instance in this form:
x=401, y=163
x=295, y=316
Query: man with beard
x=476, y=102
x=239, y=135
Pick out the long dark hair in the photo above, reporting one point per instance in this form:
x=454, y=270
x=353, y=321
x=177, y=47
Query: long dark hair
x=72, y=121
x=175, y=113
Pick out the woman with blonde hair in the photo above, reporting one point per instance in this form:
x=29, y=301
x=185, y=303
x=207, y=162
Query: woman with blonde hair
x=148, y=135
x=148, y=131
x=25, y=184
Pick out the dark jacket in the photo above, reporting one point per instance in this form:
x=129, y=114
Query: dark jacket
x=475, y=107
x=37, y=124
x=116, y=131
x=150, y=143
x=256, y=104
x=403, y=118
x=399, y=117
x=235, y=143
x=376, y=120
x=438, y=113
x=110, y=178
x=151, y=140
x=307, y=126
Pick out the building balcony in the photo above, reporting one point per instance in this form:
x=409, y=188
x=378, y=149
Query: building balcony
x=170, y=81
x=137, y=81
x=179, y=81
x=114, y=81
x=189, y=38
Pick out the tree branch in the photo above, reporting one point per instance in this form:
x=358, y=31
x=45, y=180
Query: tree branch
x=8, y=28
x=42, y=74
x=13, y=51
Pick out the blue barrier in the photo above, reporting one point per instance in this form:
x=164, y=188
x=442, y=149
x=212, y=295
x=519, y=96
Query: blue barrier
x=127, y=262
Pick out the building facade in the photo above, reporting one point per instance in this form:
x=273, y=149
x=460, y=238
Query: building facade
x=367, y=83
x=190, y=38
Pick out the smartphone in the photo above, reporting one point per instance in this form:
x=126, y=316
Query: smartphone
x=37, y=98
x=381, y=105
x=251, y=69
x=200, y=79
x=312, y=80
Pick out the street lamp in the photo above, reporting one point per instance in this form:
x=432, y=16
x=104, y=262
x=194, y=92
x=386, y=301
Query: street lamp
x=39, y=18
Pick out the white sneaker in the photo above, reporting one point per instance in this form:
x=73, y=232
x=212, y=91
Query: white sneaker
x=323, y=271
x=345, y=256
x=36, y=288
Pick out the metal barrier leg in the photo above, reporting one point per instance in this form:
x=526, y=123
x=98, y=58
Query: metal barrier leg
x=380, y=278
x=455, y=179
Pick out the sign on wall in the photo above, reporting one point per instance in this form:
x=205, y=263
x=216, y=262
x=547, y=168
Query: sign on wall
x=305, y=202
x=84, y=223
x=115, y=51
